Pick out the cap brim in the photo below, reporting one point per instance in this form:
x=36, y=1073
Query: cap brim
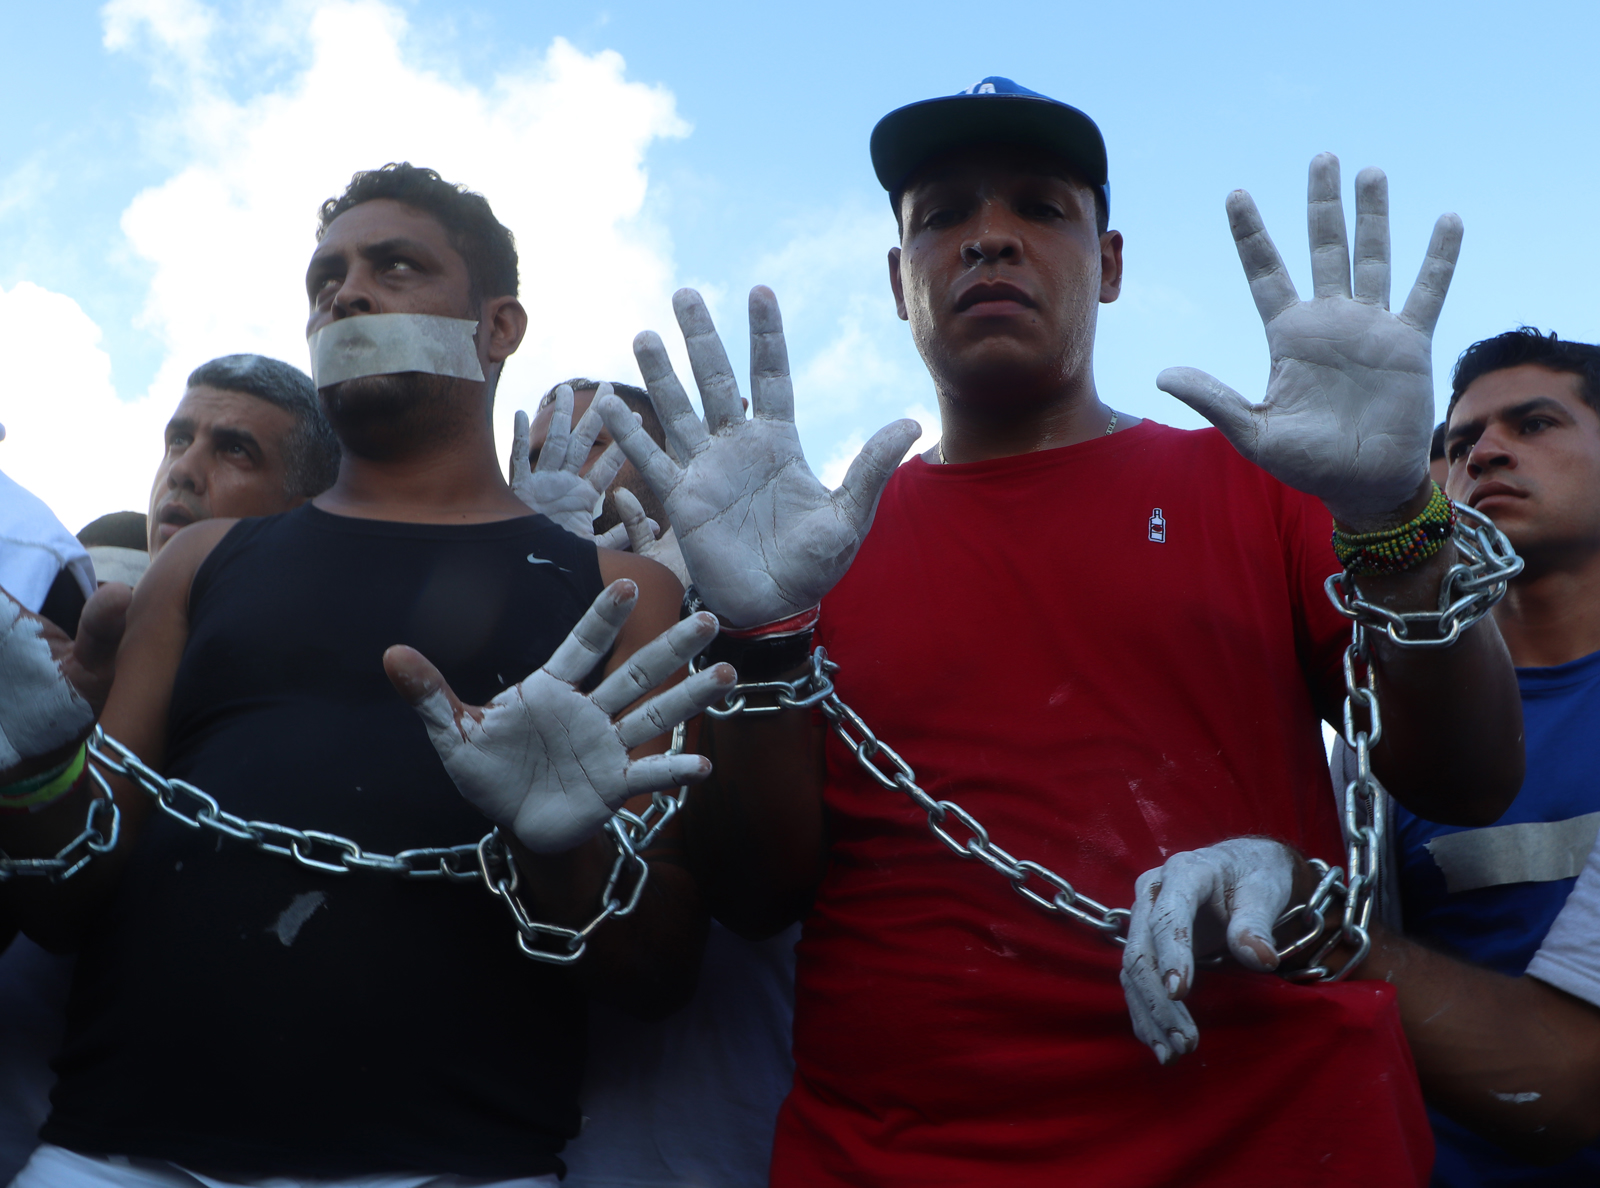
x=915, y=134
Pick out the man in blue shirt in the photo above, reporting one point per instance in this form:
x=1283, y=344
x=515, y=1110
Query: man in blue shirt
x=1508, y=1051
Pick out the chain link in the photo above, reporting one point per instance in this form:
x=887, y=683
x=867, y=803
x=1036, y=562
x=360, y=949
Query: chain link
x=1469, y=590
x=488, y=860
x=957, y=829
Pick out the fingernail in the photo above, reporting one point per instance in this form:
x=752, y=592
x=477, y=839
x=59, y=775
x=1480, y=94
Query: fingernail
x=1173, y=983
x=1180, y=1042
x=1162, y=1054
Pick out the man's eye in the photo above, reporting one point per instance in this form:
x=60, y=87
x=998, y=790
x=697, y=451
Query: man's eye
x=401, y=266
x=1534, y=424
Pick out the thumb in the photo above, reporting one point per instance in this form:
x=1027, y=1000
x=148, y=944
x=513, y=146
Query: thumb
x=863, y=483
x=425, y=689
x=519, y=447
x=1216, y=402
x=1257, y=904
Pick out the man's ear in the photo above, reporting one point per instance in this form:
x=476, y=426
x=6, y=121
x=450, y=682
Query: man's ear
x=1110, y=266
x=894, y=283
x=506, y=322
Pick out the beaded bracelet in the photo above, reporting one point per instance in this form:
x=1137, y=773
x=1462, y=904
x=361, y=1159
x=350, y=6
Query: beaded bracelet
x=38, y=791
x=1395, y=550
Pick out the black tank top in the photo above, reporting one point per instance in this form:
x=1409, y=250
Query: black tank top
x=233, y=1012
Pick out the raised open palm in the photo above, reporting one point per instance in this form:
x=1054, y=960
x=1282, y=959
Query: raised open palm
x=1348, y=411
x=550, y=762
x=762, y=538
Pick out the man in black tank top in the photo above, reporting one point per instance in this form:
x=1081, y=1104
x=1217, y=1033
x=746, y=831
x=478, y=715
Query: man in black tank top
x=245, y=1017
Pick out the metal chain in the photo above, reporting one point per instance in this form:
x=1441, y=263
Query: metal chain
x=1468, y=591
x=630, y=834
x=487, y=860
x=958, y=830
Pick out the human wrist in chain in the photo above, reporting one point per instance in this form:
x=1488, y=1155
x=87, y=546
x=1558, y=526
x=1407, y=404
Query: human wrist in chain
x=1473, y=578
x=37, y=792
x=766, y=652
x=1402, y=547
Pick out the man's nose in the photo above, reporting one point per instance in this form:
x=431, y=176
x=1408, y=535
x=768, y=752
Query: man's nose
x=354, y=295
x=186, y=473
x=996, y=241
x=1488, y=452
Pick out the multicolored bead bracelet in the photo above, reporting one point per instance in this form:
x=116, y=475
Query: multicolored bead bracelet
x=1395, y=550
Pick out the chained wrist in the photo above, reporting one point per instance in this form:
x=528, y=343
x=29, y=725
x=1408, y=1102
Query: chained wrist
x=764, y=652
x=1395, y=550
x=36, y=792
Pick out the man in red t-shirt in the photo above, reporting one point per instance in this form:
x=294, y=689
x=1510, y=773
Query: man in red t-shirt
x=1104, y=639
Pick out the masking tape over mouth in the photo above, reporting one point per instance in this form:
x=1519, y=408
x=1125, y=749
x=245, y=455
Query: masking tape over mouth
x=386, y=344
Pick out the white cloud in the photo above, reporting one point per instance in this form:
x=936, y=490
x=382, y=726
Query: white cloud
x=558, y=146
x=68, y=438
x=855, y=368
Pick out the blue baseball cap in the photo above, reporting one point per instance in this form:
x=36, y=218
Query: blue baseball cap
x=993, y=111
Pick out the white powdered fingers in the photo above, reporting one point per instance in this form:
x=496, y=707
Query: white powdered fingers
x=677, y=704
x=576, y=656
x=685, y=430
x=1372, y=238
x=1243, y=884
x=554, y=486
x=1426, y=299
x=713, y=374
x=1269, y=280
x=655, y=662
x=553, y=454
x=659, y=470
x=1330, y=245
x=763, y=539
x=771, y=389
x=1348, y=412
x=550, y=763
x=40, y=711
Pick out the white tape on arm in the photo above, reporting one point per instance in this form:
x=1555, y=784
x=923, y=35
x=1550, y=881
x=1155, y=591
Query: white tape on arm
x=39, y=710
x=387, y=344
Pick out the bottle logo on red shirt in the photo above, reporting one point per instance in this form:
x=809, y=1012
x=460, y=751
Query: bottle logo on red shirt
x=1158, y=527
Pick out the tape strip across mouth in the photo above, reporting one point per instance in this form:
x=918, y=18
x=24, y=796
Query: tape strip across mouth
x=387, y=344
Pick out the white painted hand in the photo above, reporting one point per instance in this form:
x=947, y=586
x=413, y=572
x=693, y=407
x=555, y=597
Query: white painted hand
x=551, y=763
x=1348, y=412
x=52, y=688
x=554, y=486
x=761, y=537
x=642, y=539
x=1237, y=889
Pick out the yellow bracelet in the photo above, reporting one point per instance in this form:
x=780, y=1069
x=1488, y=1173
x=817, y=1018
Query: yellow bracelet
x=40, y=790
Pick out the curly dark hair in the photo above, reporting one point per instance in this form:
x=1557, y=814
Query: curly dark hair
x=1528, y=345
x=485, y=244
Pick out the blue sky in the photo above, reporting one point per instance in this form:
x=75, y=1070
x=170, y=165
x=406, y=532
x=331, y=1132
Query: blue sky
x=160, y=161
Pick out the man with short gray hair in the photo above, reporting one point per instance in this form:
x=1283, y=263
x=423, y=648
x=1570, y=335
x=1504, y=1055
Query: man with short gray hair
x=248, y=439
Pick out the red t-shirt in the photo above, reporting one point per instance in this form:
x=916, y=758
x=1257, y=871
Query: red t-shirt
x=1106, y=653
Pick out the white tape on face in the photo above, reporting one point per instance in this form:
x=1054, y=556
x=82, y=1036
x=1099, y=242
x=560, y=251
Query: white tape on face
x=387, y=344
x=39, y=710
